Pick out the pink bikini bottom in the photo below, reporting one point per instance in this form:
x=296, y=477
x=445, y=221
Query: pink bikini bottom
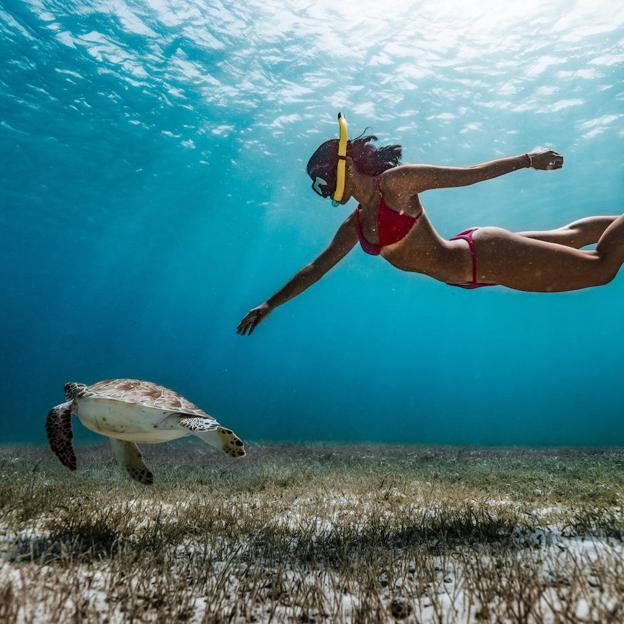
x=467, y=236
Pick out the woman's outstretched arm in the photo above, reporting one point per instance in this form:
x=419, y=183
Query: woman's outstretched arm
x=419, y=178
x=342, y=243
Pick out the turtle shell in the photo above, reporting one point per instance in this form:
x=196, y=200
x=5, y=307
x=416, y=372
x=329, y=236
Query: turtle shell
x=145, y=393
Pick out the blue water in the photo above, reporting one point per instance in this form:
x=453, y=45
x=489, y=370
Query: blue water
x=153, y=189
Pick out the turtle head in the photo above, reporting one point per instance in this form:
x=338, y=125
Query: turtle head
x=73, y=390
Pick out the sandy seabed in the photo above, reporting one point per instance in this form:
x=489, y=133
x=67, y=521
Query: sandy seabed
x=314, y=533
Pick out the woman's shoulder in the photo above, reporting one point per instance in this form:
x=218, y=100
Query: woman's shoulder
x=395, y=173
x=393, y=184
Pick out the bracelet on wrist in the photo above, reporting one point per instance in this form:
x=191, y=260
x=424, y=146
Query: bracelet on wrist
x=529, y=159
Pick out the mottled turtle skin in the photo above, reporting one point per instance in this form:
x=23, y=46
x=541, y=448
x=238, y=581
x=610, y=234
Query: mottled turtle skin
x=129, y=411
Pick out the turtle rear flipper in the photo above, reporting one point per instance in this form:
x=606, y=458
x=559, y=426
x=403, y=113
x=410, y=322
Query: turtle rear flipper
x=130, y=457
x=211, y=432
x=59, y=428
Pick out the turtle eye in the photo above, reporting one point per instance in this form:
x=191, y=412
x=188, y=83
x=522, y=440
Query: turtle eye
x=317, y=187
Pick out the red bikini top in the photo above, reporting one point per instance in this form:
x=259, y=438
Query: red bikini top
x=392, y=226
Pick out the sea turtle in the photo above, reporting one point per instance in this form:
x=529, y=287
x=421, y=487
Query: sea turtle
x=130, y=411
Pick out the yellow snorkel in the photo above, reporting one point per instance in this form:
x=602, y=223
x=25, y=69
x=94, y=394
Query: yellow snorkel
x=342, y=161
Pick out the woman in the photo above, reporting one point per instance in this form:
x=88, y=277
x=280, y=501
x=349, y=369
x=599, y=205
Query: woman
x=390, y=221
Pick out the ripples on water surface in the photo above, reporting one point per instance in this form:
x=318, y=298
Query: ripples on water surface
x=153, y=189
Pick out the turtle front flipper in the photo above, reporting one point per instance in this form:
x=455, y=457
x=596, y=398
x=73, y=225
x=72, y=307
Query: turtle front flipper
x=59, y=428
x=211, y=432
x=130, y=457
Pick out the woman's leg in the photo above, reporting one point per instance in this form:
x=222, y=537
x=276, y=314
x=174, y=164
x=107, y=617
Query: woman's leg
x=576, y=234
x=610, y=247
x=534, y=265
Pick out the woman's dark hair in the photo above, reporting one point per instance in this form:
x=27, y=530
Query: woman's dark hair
x=368, y=159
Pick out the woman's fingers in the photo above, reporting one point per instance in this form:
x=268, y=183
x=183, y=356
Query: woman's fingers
x=253, y=323
x=555, y=160
x=547, y=159
x=243, y=325
x=248, y=324
x=252, y=319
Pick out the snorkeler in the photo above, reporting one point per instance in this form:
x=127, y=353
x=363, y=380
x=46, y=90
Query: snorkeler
x=390, y=221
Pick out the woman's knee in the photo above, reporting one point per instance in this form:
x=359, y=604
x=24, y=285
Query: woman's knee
x=606, y=271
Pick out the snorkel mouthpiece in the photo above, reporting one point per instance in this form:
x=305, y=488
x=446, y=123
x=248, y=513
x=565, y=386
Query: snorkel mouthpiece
x=342, y=161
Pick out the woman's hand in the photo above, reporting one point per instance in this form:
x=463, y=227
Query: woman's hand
x=253, y=318
x=546, y=160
